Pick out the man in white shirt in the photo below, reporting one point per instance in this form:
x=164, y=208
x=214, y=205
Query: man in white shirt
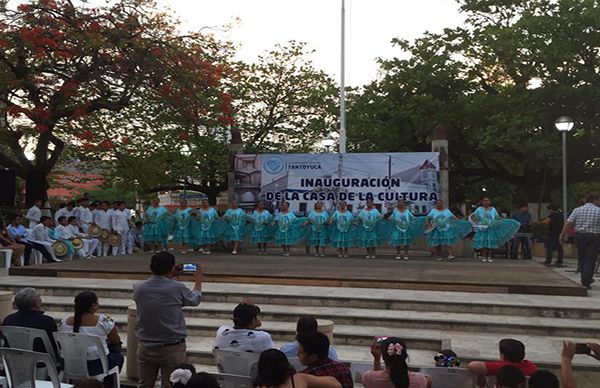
x=39, y=234
x=64, y=211
x=243, y=336
x=90, y=244
x=84, y=215
x=65, y=233
x=34, y=214
x=120, y=224
x=103, y=219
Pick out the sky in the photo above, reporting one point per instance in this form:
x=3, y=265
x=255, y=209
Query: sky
x=258, y=25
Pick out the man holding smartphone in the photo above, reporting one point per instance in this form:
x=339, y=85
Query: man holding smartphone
x=160, y=326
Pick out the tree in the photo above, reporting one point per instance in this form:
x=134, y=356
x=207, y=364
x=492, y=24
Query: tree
x=62, y=66
x=282, y=103
x=497, y=85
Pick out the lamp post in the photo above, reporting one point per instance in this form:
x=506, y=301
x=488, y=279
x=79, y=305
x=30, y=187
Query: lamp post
x=186, y=152
x=564, y=124
x=328, y=142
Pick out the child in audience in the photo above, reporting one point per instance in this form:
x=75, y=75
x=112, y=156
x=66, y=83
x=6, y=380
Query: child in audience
x=446, y=358
x=202, y=380
x=181, y=375
x=544, y=379
x=510, y=376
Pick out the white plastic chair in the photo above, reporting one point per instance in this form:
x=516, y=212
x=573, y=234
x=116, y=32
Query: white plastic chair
x=20, y=368
x=23, y=338
x=233, y=381
x=358, y=369
x=7, y=254
x=74, y=348
x=450, y=377
x=236, y=363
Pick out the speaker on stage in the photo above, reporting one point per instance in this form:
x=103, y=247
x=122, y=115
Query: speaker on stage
x=8, y=183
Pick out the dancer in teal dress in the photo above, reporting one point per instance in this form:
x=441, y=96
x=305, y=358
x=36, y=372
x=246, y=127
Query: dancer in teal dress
x=343, y=230
x=288, y=228
x=369, y=236
x=260, y=231
x=206, y=230
x=444, y=229
x=491, y=231
x=403, y=230
x=154, y=234
x=181, y=232
x=317, y=219
x=234, y=231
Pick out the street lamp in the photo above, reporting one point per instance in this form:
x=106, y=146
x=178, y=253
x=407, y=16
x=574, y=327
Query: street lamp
x=328, y=142
x=186, y=152
x=564, y=124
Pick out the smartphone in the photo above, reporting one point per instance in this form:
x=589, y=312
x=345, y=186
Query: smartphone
x=189, y=267
x=582, y=349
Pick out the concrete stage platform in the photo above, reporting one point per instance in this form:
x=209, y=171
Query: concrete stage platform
x=418, y=273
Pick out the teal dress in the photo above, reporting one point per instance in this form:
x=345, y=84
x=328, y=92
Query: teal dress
x=235, y=223
x=343, y=231
x=491, y=231
x=405, y=227
x=260, y=230
x=289, y=229
x=182, y=231
x=446, y=230
x=206, y=228
x=369, y=234
x=152, y=229
x=318, y=228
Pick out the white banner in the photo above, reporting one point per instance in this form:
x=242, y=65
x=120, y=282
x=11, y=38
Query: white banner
x=303, y=179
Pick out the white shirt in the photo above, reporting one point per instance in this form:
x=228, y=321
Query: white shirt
x=102, y=219
x=85, y=218
x=40, y=234
x=34, y=214
x=244, y=340
x=64, y=212
x=102, y=329
x=64, y=232
x=74, y=230
x=120, y=219
x=586, y=219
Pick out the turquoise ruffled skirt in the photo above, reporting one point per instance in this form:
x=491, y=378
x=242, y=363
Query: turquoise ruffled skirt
x=496, y=234
x=153, y=233
x=342, y=238
x=318, y=237
x=457, y=229
x=291, y=234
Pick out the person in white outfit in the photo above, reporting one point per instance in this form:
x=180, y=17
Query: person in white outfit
x=34, y=214
x=64, y=211
x=84, y=216
x=120, y=224
x=65, y=233
x=103, y=219
x=40, y=235
x=90, y=244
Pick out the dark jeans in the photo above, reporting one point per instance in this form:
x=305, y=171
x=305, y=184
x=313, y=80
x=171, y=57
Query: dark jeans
x=553, y=244
x=114, y=359
x=525, y=242
x=29, y=245
x=588, y=245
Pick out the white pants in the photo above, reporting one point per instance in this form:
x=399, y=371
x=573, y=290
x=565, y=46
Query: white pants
x=90, y=245
x=122, y=248
x=103, y=249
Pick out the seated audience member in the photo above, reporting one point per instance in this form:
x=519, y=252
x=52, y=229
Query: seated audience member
x=510, y=376
x=307, y=324
x=396, y=373
x=202, y=380
x=87, y=321
x=275, y=371
x=446, y=358
x=41, y=234
x=29, y=314
x=21, y=236
x=313, y=352
x=181, y=374
x=512, y=352
x=243, y=335
x=543, y=379
x=7, y=242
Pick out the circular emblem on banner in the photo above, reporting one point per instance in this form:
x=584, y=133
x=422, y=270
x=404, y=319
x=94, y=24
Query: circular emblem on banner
x=273, y=164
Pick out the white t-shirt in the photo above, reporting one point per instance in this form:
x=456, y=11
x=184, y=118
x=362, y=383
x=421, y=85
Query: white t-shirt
x=103, y=327
x=244, y=340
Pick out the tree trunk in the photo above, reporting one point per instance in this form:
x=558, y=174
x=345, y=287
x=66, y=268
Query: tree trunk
x=36, y=187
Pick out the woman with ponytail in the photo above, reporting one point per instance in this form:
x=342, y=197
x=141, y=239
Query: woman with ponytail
x=396, y=373
x=86, y=320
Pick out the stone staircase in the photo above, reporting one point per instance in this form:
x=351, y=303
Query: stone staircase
x=469, y=323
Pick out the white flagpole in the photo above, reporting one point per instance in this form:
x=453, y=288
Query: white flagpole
x=342, y=140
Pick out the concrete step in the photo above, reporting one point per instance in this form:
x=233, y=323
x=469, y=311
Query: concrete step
x=464, y=322
x=414, y=300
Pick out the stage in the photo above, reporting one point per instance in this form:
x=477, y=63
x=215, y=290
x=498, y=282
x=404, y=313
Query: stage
x=418, y=273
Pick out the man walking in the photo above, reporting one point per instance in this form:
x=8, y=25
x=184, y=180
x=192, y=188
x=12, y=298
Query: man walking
x=585, y=220
x=555, y=222
x=160, y=326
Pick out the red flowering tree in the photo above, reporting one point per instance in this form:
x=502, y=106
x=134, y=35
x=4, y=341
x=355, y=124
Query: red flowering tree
x=63, y=67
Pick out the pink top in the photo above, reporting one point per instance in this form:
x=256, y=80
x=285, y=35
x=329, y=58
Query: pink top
x=381, y=379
